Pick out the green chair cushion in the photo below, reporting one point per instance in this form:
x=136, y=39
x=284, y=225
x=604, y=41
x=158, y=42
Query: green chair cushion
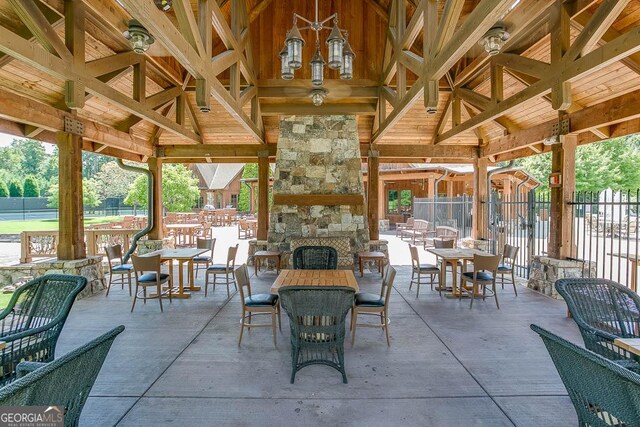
x=261, y=300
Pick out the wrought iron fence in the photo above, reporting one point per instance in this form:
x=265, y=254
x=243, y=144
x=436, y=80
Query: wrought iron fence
x=450, y=211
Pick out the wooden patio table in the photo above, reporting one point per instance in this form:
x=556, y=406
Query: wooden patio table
x=320, y=278
x=188, y=230
x=632, y=345
x=453, y=256
x=183, y=256
x=633, y=260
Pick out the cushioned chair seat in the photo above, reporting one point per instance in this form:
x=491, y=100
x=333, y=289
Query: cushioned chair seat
x=217, y=267
x=261, y=300
x=123, y=267
x=482, y=276
x=151, y=277
x=429, y=267
x=504, y=268
x=202, y=258
x=369, y=300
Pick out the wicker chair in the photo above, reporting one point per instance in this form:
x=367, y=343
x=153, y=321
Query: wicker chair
x=317, y=319
x=33, y=320
x=602, y=392
x=604, y=310
x=66, y=381
x=315, y=258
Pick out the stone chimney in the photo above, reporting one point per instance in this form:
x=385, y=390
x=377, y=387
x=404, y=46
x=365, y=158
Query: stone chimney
x=318, y=191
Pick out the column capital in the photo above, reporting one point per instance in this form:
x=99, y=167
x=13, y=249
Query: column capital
x=263, y=154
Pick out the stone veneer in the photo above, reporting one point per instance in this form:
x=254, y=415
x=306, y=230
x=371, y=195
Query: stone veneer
x=545, y=271
x=318, y=155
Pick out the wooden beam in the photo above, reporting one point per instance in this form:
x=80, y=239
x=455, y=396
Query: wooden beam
x=382, y=13
x=425, y=150
x=595, y=60
x=25, y=110
x=40, y=27
x=74, y=31
x=447, y=24
x=522, y=64
x=188, y=25
x=258, y=9
x=474, y=98
x=115, y=62
x=218, y=150
x=155, y=167
x=361, y=108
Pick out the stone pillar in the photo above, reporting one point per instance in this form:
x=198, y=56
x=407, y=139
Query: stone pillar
x=71, y=244
x=545, y=271
x=155, y=167
x=263, y=195
x=480, y=198
x=373, y=181
x=563, y=161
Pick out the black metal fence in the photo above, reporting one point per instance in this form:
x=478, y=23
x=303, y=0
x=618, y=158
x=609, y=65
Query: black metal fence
x=453, y=212
x=23, y=208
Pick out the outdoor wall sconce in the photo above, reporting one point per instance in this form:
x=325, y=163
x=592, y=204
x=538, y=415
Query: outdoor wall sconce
x=138, y=36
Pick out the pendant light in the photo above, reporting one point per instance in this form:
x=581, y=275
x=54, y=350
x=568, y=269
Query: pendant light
x=138, y=36
x=317, y=67
x=346, y=69
x=285, y=71
x=335, y=42
x=295, y=42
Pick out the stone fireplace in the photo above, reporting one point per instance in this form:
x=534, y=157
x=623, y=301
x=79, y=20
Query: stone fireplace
x=318, y=191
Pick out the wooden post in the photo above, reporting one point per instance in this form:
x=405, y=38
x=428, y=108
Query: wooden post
x=263, y=195
x=373, y=175
x=431, y=187
x=155, y=167
x=563, y=159
x=480, y=198
x=71, y=224
x=450, y=197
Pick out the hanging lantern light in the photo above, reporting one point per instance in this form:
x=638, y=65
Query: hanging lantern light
x=138, y=36
x=494, y=39
x=295, y=42
x=335, y=43
x=346, y=69
x=285, y=71
x=317, y=67
x=318, y=96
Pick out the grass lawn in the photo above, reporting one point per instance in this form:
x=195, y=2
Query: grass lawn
x=16, y=227
x=4, y=300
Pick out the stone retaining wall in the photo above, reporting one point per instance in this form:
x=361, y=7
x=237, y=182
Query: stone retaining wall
x=545, y=271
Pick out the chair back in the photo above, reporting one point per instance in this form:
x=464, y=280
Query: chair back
x=244, y=284
x=206, y=244
x=415, y=258
x=409, y=222
x=444, y=231
x=387, y=284
x=315, y=258
x=65, y=381
x=114, y=253
x=317, y=314
x=509, y=255
x=486, y=263
x=443, y=244
x=601, y=308
x=231, y=257
x=146, y=263
x=602, y=392
x=420, y=224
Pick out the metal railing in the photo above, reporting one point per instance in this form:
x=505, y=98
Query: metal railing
x=450, y=211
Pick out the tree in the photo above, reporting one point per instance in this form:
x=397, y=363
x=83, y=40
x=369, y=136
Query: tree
x=179, y=189
x=244, y=202
x=34, y=155
x=113, y=181
x=90, y=198
x=91, y=163
x=15, y=189
x=31, y=187
x=11, y=160
x=4, y=191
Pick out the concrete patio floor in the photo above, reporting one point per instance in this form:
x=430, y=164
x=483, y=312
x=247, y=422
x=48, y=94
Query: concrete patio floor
x=447, y=365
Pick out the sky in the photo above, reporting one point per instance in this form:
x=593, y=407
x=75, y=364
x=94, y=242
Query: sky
x=6, y=140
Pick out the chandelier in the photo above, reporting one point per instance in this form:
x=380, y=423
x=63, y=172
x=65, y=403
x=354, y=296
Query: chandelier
x=340, y=55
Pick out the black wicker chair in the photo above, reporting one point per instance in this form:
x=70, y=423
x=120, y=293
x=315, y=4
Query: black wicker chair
x=604, y=310
x=317, y=319
x=602, y=392
x=31, y=324
x=315, y=258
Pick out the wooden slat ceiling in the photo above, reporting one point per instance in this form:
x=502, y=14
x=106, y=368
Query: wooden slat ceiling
x=367, y=22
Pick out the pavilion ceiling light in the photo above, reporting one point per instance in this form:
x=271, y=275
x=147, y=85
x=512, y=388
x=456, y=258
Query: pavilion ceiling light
x=340, y=55
x=163, y=5
x=494, y=39
x=318, y=96
x=138, y=36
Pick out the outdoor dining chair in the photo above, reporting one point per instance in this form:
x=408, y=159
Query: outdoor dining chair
x=317, y=320
x=223, y=274
x=507, y=266
x=482, y=276
x=420, y=271
x=374, y=304
x=206, y=258
x=315, y=258
x=148, y=275
x=255, y=305
x=602, y=392
x=604, y=310
x=404, y=226
x=118, y=271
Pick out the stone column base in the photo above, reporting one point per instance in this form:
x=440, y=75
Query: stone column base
x=545, y=271
x=90, y=267
x=146, y=246
x=482, y=245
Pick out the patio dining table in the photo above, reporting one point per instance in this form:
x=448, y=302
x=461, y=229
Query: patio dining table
x=187, y=230
x=453, y=256
x=320, y=278
x=183, y=256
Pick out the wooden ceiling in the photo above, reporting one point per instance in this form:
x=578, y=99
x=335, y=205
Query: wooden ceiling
x=574, y=62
